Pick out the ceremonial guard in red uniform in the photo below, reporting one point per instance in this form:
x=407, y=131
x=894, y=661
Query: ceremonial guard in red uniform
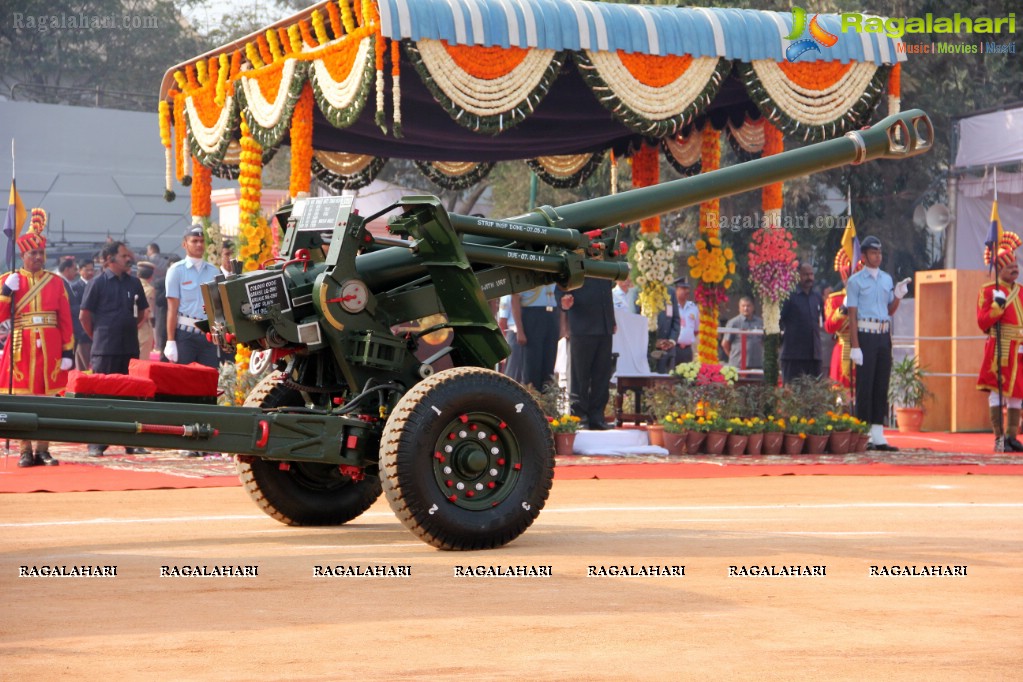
x=836, y=321
x=1000, y=316
x=41, y=341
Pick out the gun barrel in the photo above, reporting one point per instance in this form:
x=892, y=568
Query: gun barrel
x=901, y=136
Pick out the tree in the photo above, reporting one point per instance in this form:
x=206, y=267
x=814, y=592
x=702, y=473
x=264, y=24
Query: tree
x=99, y=52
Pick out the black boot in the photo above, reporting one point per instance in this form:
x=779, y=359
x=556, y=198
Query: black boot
x=26, y=459
x=996, y=424
x=44, y=458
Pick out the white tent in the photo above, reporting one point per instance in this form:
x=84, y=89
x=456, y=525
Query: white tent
x=985, y=141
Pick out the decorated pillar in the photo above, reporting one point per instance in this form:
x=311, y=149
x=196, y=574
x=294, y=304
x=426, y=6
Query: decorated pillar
x=713, y=263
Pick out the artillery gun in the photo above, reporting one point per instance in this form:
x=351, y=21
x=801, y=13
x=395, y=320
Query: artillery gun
x=352, y=410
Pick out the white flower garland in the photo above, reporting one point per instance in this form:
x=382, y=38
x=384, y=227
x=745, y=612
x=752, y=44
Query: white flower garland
x=481, y=96
x=655, y=103
x=564, y=165
x=814, y=107
x=654, y=262
x=685, y=150
x=749, y=136
x=341, y=94
x=209, y=138
x=264, y=113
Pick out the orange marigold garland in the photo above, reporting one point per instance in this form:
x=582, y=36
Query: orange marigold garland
x=302, y=142
x=772, y=194
x=646, y=172
x=335, y=20
x=895, y=89
x=713, y=263
x=202, y=185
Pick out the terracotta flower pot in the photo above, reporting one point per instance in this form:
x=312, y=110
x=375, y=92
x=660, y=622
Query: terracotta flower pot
x=840, y=442
x=816, y=444
x=676, y=443
x=773, y=442
x=909, y=419
x=655, y=432
x=861, y=442
x=793, y=444
x=564, y=444
x=714, y=443
x=736, y=444
x=755, y=444
x=694, y=441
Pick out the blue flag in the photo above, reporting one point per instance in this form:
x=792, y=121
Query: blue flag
x=994, y=235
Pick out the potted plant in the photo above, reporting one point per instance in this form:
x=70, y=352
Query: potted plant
x=774, y=435
x=675, y=431
x=755, y=442
x=840, y=426
x=907, y=392
x=738, y=435
x=564, y=428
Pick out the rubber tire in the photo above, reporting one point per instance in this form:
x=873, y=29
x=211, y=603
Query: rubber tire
x=306, y=494
x=407, y=451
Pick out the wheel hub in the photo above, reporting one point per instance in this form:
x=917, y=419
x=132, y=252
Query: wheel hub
x=476, y=461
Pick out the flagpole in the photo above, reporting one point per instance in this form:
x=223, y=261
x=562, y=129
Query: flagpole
x=998, y=325
x=9, y=346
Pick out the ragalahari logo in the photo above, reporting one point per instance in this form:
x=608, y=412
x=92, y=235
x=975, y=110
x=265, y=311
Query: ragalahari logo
x=818, y=36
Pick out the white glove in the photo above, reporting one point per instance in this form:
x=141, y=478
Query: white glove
x=171, y=351
x=66, y=364
x=999, y=297
x=13, y=282
x=856, y=355
x=902, y=288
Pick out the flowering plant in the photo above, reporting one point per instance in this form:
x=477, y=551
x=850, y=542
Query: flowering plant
x=654, y=262
x=703, y=418
x=566, y=423
x=807, y=426
x=773, y=424
x=739, y=426
x=675, y=422
x=706, y=374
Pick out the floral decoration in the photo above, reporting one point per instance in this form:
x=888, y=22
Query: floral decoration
x=712, y=263
x=485, y=89
x=773, y=272
x=653, y=261
x=566, y=423
x=454, y=174
x=202, y=180
x=570, y=170
x=706, y=374
x=302, y=143
x=646, y=172
x=814, y=101
x=654, y=95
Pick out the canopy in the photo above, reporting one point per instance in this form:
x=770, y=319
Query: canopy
x=557, y=82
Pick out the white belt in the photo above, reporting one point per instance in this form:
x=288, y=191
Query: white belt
x=870, y=326
x=187, y=323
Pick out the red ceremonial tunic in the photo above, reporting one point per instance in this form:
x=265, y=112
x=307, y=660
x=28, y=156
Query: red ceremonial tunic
x=1011, y=319
x=837, y=322
x=42, y=331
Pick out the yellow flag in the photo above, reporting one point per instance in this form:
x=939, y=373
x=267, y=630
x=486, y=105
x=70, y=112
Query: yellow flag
x=848, y=238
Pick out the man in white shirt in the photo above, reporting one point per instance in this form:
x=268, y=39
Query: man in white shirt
x=689, y=322
x=185, y=342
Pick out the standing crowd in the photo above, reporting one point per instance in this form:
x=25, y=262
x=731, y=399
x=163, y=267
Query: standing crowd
x=99, y=316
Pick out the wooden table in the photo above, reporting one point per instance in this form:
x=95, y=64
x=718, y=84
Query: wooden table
x=637, y=384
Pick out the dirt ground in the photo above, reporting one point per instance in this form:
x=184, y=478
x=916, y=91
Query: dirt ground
x=287, y=623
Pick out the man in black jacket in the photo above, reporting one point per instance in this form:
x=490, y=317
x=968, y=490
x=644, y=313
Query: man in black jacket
x=801, y=317
x=591, y=326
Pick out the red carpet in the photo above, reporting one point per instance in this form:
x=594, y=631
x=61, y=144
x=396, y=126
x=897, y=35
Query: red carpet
x=920, y=454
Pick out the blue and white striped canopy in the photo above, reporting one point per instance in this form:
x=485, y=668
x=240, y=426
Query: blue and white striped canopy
x=741, y=34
